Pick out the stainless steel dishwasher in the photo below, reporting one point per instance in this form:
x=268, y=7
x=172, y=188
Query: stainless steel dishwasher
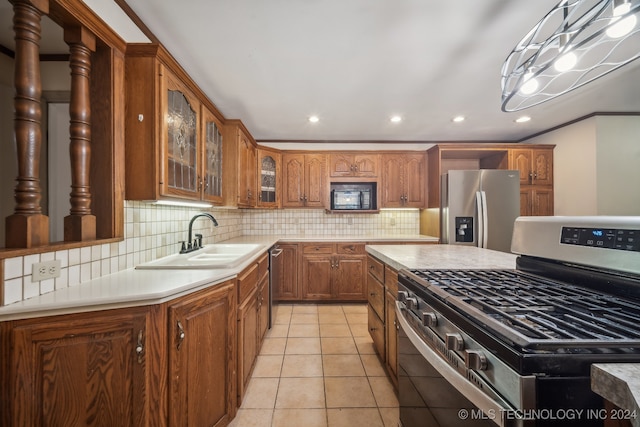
x=275, y=276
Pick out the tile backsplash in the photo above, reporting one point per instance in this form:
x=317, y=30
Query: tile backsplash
x=153, y=231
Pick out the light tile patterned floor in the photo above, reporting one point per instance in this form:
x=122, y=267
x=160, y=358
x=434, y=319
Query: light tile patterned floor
x=318, y=368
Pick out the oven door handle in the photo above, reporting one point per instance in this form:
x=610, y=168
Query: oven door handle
x=495, y=410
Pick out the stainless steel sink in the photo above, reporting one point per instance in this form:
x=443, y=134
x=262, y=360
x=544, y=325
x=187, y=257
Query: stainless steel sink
x=221, y=255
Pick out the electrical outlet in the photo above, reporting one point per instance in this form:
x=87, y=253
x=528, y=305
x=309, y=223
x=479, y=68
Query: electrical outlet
x=45, y=270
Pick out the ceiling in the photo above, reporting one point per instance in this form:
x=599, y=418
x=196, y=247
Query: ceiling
x=355, y=63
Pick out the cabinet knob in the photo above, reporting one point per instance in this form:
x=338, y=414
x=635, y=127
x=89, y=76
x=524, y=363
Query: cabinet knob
x=181, y=335
x=140, y=347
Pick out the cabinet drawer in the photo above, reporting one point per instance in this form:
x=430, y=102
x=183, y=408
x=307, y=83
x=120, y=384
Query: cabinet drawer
x=351, y=248
x=247, y=282
x=391, y=281
x=376, y=268
x=375, y=296
x=376, y=330
x=263, y=265
x=318, y=248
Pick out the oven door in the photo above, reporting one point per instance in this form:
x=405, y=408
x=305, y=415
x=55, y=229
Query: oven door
x=432, y=392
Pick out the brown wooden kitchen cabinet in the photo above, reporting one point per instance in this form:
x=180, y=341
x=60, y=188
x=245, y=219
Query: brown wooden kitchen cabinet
x=363, y=165
x=253, y=317
x=382, y=290
x=240, y=159
x=304, y=180
x=404, y=180
x=536, y=178
x=202, y=345
x=287, y=288
x=90, y=369
x=269, y=178
x=172, y=131
x=333, y=271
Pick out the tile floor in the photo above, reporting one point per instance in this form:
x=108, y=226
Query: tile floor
x=318, y=368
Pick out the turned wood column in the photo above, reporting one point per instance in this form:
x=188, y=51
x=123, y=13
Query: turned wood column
x=27, y=227
x=80, y=225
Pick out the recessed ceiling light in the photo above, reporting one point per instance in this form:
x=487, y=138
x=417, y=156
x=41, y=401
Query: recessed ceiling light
x=522, y=119
x=458, y=119
x=396, y=119
x=314, y=119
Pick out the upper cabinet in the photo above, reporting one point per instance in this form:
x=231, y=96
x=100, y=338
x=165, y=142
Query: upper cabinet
x=304, y=180
x=535, y=164
x=404, y=180
x=365, y=165
x=172, y=132
x=269, y=163
x=212, y=158
x=240, y=153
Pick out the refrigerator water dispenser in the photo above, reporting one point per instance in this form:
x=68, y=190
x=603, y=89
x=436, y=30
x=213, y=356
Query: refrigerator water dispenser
x=464, y=229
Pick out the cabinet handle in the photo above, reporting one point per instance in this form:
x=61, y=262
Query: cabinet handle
x=373, y=294
x=181, y=335
x=140, y=347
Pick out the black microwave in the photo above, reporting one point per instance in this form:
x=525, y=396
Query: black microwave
x=356, y=198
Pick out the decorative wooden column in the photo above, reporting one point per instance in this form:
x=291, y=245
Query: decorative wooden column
x=27, y=227
x=80, y=225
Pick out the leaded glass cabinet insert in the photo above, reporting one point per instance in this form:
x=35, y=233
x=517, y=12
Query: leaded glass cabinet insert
x=182, y=140
x=268, y=179
x=213, y=161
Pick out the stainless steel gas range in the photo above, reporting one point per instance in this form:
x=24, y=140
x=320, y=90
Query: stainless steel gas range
x=515, y=347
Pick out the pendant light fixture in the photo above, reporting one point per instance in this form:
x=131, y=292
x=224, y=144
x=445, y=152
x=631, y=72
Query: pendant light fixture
x=577, y=42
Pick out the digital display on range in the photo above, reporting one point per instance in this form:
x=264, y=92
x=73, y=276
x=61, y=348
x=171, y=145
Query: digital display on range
x=625, y=240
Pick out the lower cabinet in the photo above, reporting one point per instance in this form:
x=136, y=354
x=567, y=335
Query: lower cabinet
x=382, y=288
x=252, y=318
x=202, y=346
x=286, y=287
x=81, y=369
x=333, y=271
x=167, y=364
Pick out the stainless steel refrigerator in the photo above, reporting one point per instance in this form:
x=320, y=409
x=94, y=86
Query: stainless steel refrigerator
x=479, y=207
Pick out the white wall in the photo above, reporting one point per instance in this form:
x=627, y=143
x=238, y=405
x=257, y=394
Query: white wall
x=596, y=166
x=618, y=165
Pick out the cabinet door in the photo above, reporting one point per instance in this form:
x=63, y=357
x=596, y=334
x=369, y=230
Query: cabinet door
x=542, y=201
x=293, y=180
x=376, y=330
x=246, y=171
x=316, y=276
x=88, y=369
x=366, y=165
x=247, y=341
x=180, y=140
x=315, y=180
x=392, y=172
x=212, y=158
x=202, y=342
x=349, y=278
x=268, y=178
x=263, y=309
x=542, y=166
x=391, y=337
x=521, y=160
x=287, y=286
x=526, y=201
x=341, y=165
x=414, y=178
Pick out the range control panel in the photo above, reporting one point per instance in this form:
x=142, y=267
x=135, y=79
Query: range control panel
x=621, y=239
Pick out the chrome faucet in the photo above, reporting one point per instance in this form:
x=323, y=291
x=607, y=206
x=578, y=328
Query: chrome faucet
x=193, y=245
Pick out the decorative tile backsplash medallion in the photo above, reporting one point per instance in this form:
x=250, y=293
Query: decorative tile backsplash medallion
x=153, y=231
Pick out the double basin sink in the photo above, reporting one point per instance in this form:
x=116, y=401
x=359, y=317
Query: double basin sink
x=220, y=255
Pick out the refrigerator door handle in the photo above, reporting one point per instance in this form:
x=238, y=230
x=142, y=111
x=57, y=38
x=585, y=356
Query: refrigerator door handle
x=479, y=219
x=485, y=220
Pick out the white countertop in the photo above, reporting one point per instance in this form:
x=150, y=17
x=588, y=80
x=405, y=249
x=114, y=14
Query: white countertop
x=441, y=256
x=133, y=287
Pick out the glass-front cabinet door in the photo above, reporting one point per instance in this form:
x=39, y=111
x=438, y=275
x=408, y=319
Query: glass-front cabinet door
x=268, y=178
x=212, y=159
x=180, y=177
